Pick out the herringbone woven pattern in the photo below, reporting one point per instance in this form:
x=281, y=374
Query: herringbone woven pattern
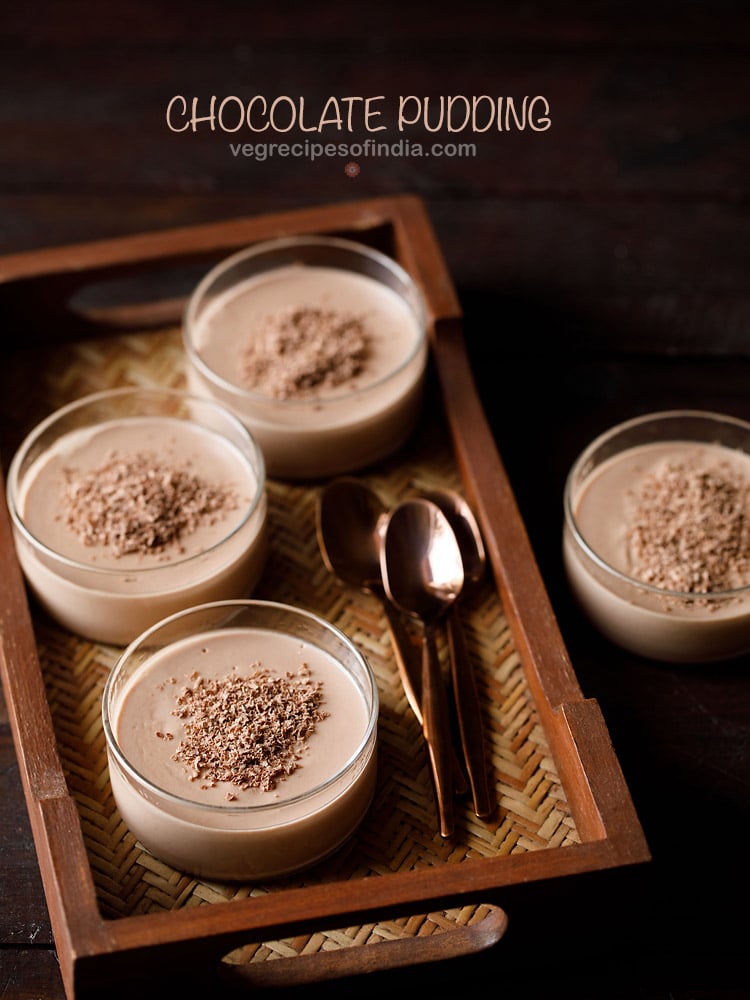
x=399, y=834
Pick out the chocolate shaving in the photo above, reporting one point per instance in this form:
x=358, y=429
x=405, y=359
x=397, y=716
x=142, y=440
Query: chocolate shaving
x=249, y=731
x=690, y=530
x=299, y=349
x=136, y=504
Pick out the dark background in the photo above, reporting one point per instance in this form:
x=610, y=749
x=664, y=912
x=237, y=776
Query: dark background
x=602, y=269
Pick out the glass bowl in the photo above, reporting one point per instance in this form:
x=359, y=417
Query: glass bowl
x=131, y=504
x=192, y=786
x=318, y=344
x=655, y=565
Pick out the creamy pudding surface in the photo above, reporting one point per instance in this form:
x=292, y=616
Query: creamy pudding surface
x=671, y=492
x=113, y=463
x=228, y=326
x=237, y=670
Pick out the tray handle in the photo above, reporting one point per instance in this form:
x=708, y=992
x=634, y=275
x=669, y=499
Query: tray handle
x=142, y=281
x=357, y=960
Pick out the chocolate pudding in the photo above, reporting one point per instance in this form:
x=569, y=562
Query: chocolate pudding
x=125, y=521
x=250, y=753
x=325, y=365
x=660, y=558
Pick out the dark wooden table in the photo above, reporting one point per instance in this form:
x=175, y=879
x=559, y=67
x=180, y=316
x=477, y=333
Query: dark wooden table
x=602, y=266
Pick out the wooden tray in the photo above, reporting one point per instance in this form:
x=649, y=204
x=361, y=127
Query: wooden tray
x=95, y=315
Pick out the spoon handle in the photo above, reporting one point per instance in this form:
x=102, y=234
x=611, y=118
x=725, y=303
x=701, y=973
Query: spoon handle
x=409, y=664
x=469, y=714
x=436, y=729
x=407, y=658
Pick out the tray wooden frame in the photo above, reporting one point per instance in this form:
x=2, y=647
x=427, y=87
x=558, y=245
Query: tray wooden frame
x=39, y=286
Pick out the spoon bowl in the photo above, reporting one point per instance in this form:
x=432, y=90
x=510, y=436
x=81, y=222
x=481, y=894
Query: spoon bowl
x=421, y=562
x=349, y=515
x=468, y=535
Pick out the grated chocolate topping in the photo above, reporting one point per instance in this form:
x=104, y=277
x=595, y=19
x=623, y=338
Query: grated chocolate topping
x=299, y=349
x=249, y=731
x=690, y=530
x=136, y=504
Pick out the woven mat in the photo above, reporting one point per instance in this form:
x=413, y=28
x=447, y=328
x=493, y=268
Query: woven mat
x=399, y=833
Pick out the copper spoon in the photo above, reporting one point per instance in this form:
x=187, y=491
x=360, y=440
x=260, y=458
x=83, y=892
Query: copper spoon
x=461, y=519
x=423, y=574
